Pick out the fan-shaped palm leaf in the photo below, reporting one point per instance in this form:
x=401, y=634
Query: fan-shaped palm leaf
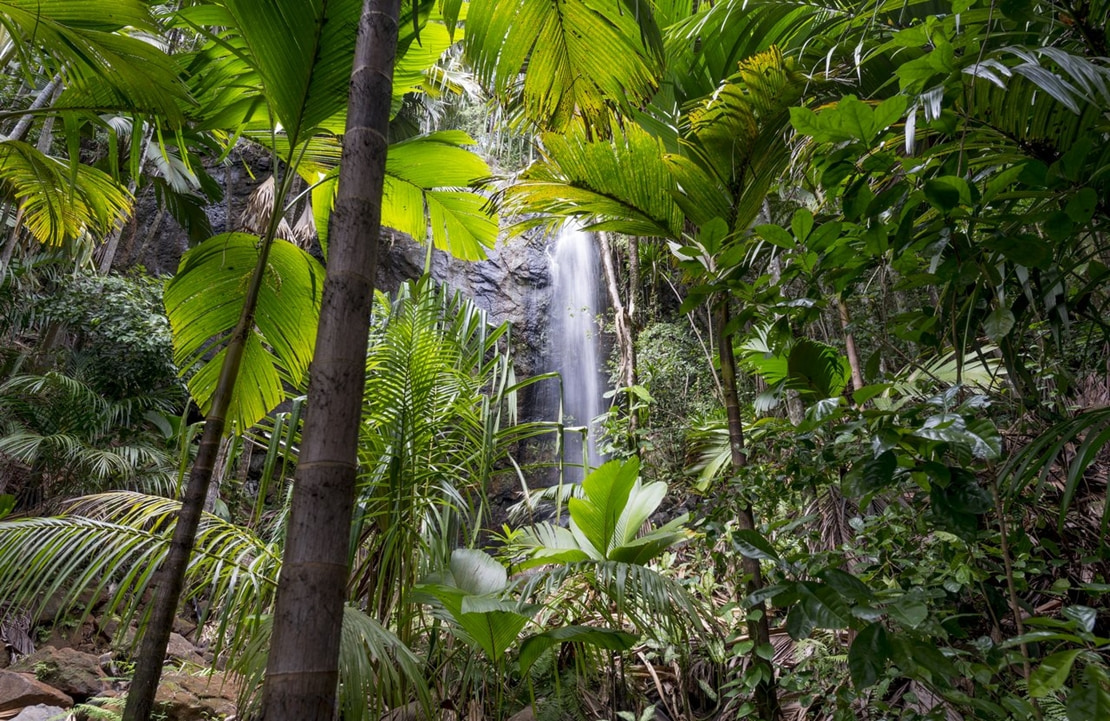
x=60, y=201
x=585, y=57
x=620, y=184
x=204, y=301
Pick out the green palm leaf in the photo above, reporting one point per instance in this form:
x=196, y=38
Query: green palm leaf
x=103, y=69
x=57, y=210
x=302, y=52
x=577, y=56
x=423, y=189
x=622, y=184
x=204, y=300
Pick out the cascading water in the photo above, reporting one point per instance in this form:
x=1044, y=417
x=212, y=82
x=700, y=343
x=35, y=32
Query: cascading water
x=575, y=306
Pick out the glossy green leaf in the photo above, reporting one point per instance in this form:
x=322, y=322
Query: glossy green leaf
x=868, y=655
x=1052, y=673
x=532, y=647
x=204, y=301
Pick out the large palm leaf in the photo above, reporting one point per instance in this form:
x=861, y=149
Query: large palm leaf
x=60, y=201
x=586, y=57
x=203, y=302
x=429, y=184
x=620, y=183
x=102, y=67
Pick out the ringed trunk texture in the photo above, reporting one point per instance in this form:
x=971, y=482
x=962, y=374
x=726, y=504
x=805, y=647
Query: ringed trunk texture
x=302, y=672
x=766, y=698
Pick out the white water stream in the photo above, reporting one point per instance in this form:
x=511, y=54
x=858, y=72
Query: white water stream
x=575, y=307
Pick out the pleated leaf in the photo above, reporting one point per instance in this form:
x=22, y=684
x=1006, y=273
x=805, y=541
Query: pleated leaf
x=606, y=495
x=622, y=184
x=424, y=181
x=303, y=52
x=102, y=69
x=55, y=209
x=583, y=57
x=204, y=301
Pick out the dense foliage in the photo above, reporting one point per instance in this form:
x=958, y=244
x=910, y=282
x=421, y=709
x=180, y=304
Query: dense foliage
x=855, y=255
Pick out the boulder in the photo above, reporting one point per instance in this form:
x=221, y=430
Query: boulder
x=70, y=671
x=19, y=690
x=180, y=648
x=41, y=712
x=182, y=697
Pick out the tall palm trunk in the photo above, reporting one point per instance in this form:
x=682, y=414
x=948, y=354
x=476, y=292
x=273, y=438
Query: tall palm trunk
x=171, y=575
x=302, y=672
x=759, y=630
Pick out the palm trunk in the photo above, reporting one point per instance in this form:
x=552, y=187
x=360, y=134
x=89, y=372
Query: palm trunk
x=302, y=671
x=19, y=132
x=759, y=630
x=171, y=575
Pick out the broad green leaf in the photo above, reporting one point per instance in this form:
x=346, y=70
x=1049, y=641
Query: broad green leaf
x=424, y=178
x=578, y=57
x=868, y=655
x=999, y=324
x=1090, y=699
x=801, y=223
x=533, y=647
x=1085, y=616
x=753, y=545
x=303, y=52
x=204, y=301
x=476, y=572
x=908, y=611
x=817, y=606
x=1052, y=673
x=606, y=495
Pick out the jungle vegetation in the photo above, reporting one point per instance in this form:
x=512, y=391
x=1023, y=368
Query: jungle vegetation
x=858, y=286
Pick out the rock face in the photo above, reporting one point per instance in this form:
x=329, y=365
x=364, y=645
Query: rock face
x=511, y=285
x=40, y=712
x=19, y=690
x=70, y=671
x=193, y=698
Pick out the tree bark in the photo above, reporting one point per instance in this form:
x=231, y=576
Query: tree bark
x=302, y=671
x=759, y=629
x=850, y=344
x=19, y=132
x=626, y=339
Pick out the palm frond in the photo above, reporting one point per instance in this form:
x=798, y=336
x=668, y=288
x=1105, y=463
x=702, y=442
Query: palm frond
x=204, y=300
x=620, y=184
x=58, y=206
x=580, y=56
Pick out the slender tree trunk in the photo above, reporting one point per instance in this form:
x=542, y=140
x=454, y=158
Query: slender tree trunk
x=622, y=315
x=759, y=630
x=19, y=132
x=850, y=344
x=302, y=671
x=170, y=579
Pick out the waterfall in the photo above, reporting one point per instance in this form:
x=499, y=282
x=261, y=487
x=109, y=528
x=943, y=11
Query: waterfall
x=575, y=306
